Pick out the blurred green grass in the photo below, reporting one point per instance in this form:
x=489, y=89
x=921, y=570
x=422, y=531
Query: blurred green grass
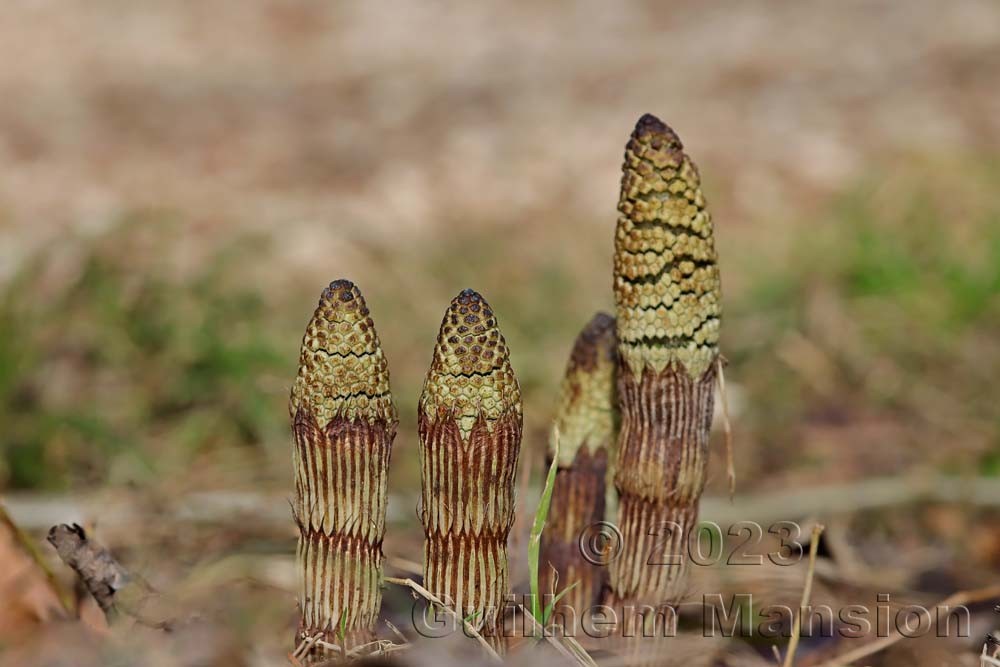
x=884, y=308
x=125, y=366
x=117, y=368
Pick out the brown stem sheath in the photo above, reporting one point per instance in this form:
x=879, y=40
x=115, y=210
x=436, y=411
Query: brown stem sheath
x=343, y=421
x=585, y=425
x=469, y=423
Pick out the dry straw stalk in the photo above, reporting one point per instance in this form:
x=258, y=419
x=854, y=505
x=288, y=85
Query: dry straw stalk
x=343, y=421
x=585, y=427
x=667, y=295
x=469, y=423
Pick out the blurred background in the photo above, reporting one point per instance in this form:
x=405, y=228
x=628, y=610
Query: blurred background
x=181, y=180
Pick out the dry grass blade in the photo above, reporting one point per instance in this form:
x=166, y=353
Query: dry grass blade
x=727, y=429
x=31, y=549
x=394, y=630
x=960, y=597
x=302, y=649
x=404, y=564
x=377, y=647
x=430, y=597
x=568, y=647
x=806, y=594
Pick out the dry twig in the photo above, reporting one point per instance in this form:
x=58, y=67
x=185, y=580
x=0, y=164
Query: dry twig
x=806, y=594
x=114, y=589
x=568, y=647
x=430, y=597
x=31, y=549
x=960, y=597
x=727, y=429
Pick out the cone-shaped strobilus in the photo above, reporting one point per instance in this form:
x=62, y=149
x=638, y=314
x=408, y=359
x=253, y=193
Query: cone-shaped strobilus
x=585, y=429
x=666, y=283
x=344, y=421
x=469, y=422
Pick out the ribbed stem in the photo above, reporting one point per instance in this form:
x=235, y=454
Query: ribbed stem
x=341, y=575
x=663, y=438
x=653, y=563
x=340, y=502
x=660, y=474
x=577, y=506
x=469, y=572
x=469, y=487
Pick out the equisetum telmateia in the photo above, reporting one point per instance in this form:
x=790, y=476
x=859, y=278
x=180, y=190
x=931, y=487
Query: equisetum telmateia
x=667, y=297
x=584, y=430
x=469, y=422
x=343, y=421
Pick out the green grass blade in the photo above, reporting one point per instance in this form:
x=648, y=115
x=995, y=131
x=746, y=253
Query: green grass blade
x=535, y=541
x=552, y=604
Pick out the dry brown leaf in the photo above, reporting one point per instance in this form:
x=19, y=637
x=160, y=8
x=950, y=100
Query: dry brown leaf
x=29, y=597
